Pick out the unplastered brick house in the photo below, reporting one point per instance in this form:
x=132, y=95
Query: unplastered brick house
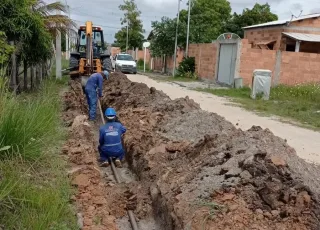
x=290, y=49
x=301, y=34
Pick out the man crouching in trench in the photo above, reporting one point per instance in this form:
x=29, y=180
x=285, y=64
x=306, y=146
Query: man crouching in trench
x=110, y=140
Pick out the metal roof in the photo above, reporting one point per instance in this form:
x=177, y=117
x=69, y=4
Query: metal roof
x=304, y=37
x=283, y=22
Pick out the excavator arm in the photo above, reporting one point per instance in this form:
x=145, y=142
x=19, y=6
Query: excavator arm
x=89, y=48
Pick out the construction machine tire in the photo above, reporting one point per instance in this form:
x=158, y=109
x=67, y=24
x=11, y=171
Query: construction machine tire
x=107, y=64
x=73, y=62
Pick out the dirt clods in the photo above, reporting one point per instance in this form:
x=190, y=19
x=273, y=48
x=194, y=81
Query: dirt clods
x=196, y=169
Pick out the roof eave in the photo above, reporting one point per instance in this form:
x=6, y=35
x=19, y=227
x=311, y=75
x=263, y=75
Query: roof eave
x=256, y=27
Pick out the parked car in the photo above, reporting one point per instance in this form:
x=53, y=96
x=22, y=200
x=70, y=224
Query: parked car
x=125, y=63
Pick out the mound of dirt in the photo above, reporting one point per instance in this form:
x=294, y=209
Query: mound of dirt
x=194, y=125
x=121, y=93
x=203, y=173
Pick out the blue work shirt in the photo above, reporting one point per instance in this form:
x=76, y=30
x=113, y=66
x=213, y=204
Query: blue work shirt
x=110, y=137
x=95, y=81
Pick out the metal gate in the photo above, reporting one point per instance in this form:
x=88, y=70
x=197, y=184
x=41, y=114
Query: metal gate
x=227, y=63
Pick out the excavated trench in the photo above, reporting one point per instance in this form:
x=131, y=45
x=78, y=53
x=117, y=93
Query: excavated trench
x=194, y=169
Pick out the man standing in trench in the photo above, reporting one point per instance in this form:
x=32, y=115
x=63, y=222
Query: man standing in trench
x=94, y=82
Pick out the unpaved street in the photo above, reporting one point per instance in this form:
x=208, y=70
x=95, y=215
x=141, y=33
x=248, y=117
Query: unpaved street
x=306, y=142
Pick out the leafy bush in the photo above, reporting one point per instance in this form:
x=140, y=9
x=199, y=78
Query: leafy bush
x=187, y=67
x=140, y=64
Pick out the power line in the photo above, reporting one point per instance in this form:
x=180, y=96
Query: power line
x=120, y=15
x=100, y=25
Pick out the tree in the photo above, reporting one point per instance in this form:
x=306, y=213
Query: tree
x=5, y=52
x=206, y=24
x=163, y=39
x=257, y=15
x=207, y=18
x=131, y=18
x=31, y=26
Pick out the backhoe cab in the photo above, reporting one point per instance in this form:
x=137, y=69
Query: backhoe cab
x=91, y=56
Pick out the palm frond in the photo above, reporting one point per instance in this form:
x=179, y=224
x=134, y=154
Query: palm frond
x=59, y=22
x=47, y=9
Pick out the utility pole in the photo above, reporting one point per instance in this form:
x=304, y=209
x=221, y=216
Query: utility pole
x=188, y=30
x=58, y=51
x=68, y=34
x=127, y=43
x=176, y=42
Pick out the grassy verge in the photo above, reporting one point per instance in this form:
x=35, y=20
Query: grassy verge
x=180, y=79
x=299, y=103
x=160, y=77
x=34, y=187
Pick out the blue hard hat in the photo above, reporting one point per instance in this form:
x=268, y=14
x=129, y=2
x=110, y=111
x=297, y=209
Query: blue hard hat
x=110, y=112
x=106, y=73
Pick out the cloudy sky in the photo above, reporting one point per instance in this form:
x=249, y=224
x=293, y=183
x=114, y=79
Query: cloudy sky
x=107, y=14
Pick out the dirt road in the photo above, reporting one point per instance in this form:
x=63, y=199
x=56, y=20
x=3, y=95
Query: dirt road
x=306, y=142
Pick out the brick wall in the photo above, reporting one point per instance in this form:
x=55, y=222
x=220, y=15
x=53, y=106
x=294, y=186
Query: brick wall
x=158, y=62
x=205, y=59
x=115, y=50
x=297, y=68
x=264, y=35
x=252, y=59
x=274, y=33
x=311, y=22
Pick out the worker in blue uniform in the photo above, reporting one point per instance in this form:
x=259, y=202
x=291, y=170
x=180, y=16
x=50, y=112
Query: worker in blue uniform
x=110, y=140
x=94, y=82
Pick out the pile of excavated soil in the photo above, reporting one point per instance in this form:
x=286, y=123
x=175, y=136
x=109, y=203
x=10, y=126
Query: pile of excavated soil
x=193, y=126
x=230, y=179
x=121, y=93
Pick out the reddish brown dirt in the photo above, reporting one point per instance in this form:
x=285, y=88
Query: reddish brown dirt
x=231, y=179
x=97, y=202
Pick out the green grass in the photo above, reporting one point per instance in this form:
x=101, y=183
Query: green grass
x=299, y=103
x=34, y=187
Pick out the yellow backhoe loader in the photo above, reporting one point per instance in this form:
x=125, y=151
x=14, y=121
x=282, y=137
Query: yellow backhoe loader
x=91, y=55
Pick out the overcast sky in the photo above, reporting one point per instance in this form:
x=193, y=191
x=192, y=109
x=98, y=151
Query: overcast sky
x=107, y=14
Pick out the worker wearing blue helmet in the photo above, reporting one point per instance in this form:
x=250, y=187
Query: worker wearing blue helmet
x=110, y=139
x=93, y=84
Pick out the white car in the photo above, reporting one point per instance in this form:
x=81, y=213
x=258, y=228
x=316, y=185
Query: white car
x=125, y=63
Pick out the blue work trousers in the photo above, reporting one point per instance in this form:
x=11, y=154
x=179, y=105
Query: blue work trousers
x=92, y=99
x=104, y=156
